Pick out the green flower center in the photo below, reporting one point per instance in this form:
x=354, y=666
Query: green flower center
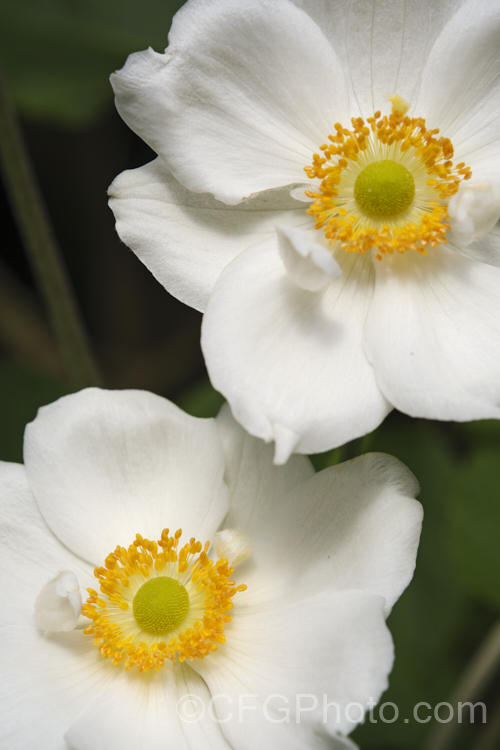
x=160, y=605
x=384, y=188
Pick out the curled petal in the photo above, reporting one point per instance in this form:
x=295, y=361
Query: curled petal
x=309, y=265
x=233, y=545
x=474, y=211
x=291, y=362
x=59, y=603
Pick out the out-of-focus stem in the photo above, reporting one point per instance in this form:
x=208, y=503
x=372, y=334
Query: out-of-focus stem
x=41, y=247
x=476, y=677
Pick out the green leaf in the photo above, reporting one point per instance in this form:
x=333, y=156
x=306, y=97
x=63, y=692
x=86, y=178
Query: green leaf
x=22, y=392
x=58, y=54
x=473, y=508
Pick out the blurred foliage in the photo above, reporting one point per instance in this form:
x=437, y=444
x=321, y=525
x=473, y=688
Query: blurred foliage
x=201, y=400
x=22, y=391
x=58, y=54
x=473, y=515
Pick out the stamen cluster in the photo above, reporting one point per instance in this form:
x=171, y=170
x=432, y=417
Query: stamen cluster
x=404, y=140
x=210, y=589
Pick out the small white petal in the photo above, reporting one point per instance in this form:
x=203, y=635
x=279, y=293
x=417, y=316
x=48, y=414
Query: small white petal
x=474, y=211
x=24, y=533
x=399, y=104
x=286, y=441
x=233, y=545
x=59, y=603
x=310, y=265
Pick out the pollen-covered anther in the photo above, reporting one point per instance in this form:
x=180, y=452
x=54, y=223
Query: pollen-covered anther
x=160, y=601
x=384, y=185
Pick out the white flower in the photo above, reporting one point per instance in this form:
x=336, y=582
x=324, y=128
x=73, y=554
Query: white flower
x=244, y=96
x=323, y=558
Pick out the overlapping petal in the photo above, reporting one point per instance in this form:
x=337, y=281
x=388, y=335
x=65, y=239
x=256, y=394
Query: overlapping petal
x=487, y=250
x=30, y=554
x=150, y=711
x=382, y=44
x=371, y=547
x=281, y=654
x=460, y=90
x=433, y=335
x=107, y=465
x=45, y=682
x=291, y=362
x=186, y=239
x=308, y=263
x=262, y=88
x=473, y=212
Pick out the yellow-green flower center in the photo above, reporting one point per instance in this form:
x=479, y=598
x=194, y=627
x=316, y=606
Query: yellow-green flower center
x=160, y=605
x=384, y=188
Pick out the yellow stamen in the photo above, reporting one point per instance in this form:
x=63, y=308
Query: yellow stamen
x=189, y=632
x=355, y=219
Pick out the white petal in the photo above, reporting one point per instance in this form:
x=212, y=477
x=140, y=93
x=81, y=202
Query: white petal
x=241, y=99
x=46, y=684
x=107, y=465
x=292, y=359
x=59, y=603
x=150, y=710
x=30, y=554
x=299, y=193
x=232, y=545
x=331, y=647
x=251, y=476
x=186, y=239
x=487, y=250
x=460, y=92
x=382, y=45
x=433, y=335
x=309, y=265
x=352, y=526
x=474, y=211
x=286, y=441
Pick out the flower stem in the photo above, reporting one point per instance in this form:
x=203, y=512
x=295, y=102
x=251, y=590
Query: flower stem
x=42, y=249
x=476, y=677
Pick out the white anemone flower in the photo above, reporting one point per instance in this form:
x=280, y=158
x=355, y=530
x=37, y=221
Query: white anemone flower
x=149, y=510
x=382, y=290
